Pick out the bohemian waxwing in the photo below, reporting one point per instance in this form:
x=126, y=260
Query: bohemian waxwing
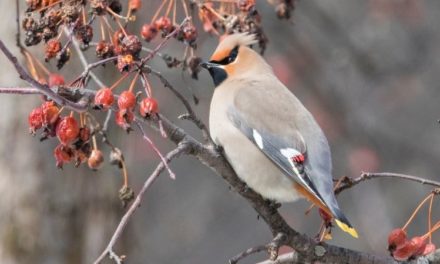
x=271, y=140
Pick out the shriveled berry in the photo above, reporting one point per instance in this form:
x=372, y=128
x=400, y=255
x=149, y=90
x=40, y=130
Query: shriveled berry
x=104, y=49
x=56, y=80
x=396, y=238
x=67, y=130
x=189, y=33
x=125, y=62
x=104, y=98
x=84, y=34
x=95, y=160
x=53, y=46
x=84, y=134
x=116, y=6
x=124, y=118
x=131, y=45
x=148, y=106
x=127, y=100
x=35, y=120
x=134, y=4
x=50, y=113
x=63, y=154
x=148, y=32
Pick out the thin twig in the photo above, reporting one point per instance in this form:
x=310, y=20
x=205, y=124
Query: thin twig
x=24, y=75
x=181, y=148
x=350, y=182
x=144, y=135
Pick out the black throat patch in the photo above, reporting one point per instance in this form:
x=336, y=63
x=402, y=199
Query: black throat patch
x=218, y=75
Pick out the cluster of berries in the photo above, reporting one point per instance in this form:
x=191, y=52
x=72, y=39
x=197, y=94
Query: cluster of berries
x=127, y=102
x=402, y=248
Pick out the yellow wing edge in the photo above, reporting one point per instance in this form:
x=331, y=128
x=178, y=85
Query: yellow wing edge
x=347, y=229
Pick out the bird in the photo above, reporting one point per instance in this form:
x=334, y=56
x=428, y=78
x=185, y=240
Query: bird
x=271, y=140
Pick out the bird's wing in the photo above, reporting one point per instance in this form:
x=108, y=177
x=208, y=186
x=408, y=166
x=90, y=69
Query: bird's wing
x=288, y=155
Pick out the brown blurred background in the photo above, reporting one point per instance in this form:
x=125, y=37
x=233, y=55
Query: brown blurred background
x=367, y=70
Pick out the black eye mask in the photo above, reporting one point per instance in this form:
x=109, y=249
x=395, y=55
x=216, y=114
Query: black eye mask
x=232, y=56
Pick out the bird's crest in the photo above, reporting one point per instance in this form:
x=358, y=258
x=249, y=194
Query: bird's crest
x=230, y=42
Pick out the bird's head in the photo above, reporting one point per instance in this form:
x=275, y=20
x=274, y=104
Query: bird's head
x=232, y=57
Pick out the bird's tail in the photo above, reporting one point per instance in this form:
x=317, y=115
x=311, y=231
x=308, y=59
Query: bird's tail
x=343, y=222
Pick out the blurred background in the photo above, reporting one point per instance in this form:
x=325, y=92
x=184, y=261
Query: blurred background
x=367, y=70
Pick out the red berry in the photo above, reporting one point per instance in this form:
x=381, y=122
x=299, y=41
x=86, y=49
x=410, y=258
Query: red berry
x=405, y=251
x=50, y=113
x=148, y=32
x=134, y=4
x=56, y=80
x=131, y=45
x=420, y=244
x=35, y=120
x=104, y=98
x=63, y=154
x=148, y=106
x=430, y=247
x=245, y=5
x=127, y=100
x=67, y=130
x=164, y=24
x=95, y=160
x=53, y=46
x=124, y=118
x=396, y=239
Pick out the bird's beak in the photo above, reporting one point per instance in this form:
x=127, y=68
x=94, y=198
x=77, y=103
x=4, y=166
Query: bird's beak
x=208, y=65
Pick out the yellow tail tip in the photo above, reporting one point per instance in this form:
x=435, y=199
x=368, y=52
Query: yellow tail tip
x=347, y=229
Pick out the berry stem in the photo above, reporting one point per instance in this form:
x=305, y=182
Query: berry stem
x=158, y=11
x=133, y=82
x=416, y=210
x=174, y=12
x=95, y=145
x=119, y=80
x=185, y=8
x=116, y=16
x=214, y=12
x=430, y=217
x=101, y=25
x=124, y=173
x=170, y=4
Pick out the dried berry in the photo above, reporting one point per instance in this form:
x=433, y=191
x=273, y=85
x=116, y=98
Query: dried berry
x=35, y=120
x=396, y=239
x=124, y=118
x=125, y=62
x=116, y=157
x=50, y=113
x=63, y=154
x=194, y=68
x=99, y=6
x=56, y=80
x=127, y=100
x=189, y=34
x=104, y=98
x=84, y=134
x=131, y=45
x=95, y=160
x=62, y=57
x=148, y=32
x=116, y=6
x=104, y=50
x=53, y=46
x=84, y=34
x=67, y=130
x=126, y=195
x=148, y=106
